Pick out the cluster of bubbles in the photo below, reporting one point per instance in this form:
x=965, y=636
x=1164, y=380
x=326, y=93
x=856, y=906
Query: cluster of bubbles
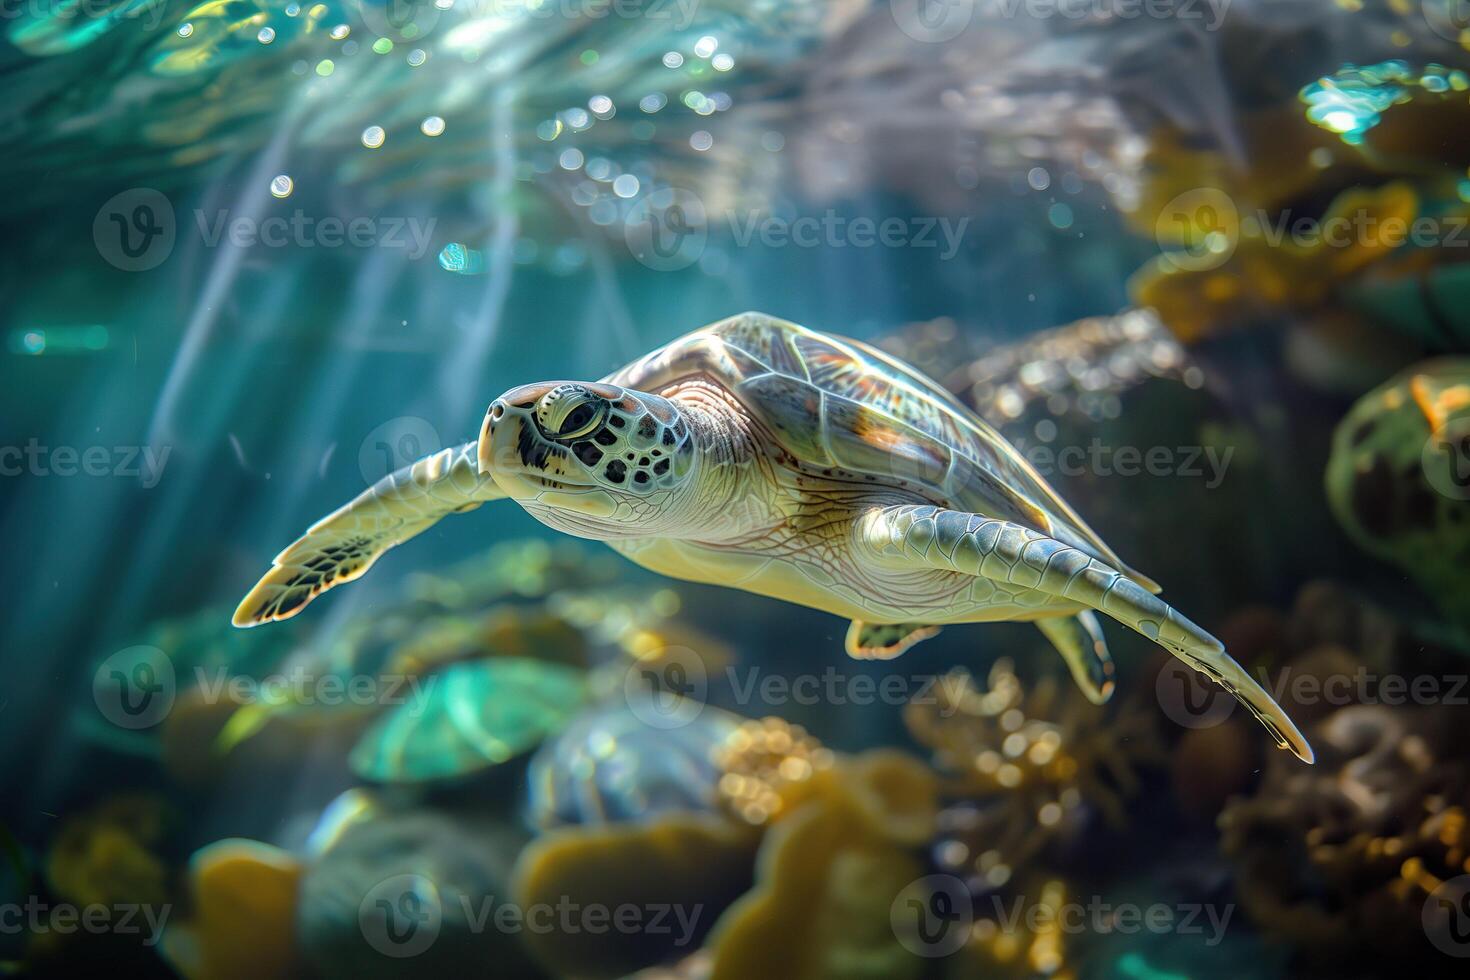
x=1352, y=100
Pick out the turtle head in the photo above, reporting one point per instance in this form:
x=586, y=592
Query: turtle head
x=590, y=459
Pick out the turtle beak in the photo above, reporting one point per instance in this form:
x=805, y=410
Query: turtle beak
x=485, y=451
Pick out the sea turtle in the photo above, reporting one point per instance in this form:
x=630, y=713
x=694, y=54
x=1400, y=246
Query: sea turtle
x=758, y=454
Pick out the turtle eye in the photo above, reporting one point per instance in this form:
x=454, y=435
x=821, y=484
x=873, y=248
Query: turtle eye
x=581, y=421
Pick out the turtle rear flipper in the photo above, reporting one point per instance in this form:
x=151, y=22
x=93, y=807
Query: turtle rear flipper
x=912, y=535
x=343, y=545
x=1079, y=640
x=884, y=641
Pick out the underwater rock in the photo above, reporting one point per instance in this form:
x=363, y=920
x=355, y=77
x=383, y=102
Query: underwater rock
x=1327, y=613
x=1340, y=858
x=515, y=631
x=1077, y=369
x=690, y=865
x=533, y=568
x=1025, y=769
x=473, y=716
x=1081, y=368
x=1399, y=478
x=1212, y=764
x=1430, y=305
x=109, y=854
x=828, y=875
x=242, y=918
x=416, y=889
x=611, y=766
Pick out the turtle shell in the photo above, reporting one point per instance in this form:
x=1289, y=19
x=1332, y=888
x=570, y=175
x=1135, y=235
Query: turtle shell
x=855, y=412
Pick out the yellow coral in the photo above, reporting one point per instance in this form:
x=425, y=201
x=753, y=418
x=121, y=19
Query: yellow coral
x=694, y=863
x=829, y=872
x=244, y=914
x=768, y=766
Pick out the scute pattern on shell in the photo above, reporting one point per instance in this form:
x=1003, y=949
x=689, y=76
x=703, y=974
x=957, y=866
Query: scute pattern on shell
x=837, y=403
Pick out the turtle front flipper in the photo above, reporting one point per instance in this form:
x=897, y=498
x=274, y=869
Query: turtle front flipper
x=343, y=545
x=1079, y=640
x=924, y=536
x=884, y=641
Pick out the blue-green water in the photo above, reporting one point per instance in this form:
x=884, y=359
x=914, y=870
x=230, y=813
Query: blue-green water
x=259, y=255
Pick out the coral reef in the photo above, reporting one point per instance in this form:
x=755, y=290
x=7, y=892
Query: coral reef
x=609, y=766
x=1024, y=768
x=767, y=767
x=1399, y=477
x=417, y=883
x=473, y=716
x=109, y=855
x=1340, y=858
